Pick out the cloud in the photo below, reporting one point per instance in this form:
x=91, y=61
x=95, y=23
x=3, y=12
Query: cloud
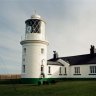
x=75, y=31
x=70, y=28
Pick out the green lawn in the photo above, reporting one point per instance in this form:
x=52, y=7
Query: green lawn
x=66, y=88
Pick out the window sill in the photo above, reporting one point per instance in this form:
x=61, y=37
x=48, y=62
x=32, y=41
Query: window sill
x=76, y=74
x=92, y=74
x=60, y=74
x=49, y=74
x=64, y=74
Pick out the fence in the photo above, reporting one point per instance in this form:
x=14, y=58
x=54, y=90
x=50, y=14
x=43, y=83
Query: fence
x=10, y=76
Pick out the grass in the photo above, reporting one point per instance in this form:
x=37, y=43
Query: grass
x=66, y=88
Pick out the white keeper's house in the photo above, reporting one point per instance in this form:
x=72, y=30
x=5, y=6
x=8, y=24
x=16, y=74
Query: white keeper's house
x=35, y=66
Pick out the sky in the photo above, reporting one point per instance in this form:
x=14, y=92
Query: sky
x=70, y=28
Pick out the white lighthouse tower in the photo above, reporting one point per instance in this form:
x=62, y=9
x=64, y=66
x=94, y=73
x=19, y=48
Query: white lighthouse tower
x=34, y=50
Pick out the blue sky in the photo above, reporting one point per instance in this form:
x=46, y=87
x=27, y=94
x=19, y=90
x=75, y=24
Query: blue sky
x=70, y=28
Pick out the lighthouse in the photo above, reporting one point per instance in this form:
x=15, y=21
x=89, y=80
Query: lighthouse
x=34, y=51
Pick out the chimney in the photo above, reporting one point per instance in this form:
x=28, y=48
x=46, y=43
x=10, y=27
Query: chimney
x=55, y=55
x=92, y=50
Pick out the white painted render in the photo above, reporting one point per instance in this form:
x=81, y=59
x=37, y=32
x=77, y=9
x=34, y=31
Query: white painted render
x=32, y=64
x=84, y=71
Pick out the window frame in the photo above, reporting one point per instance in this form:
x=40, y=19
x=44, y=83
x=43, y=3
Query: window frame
x=42, y=68
x=92, y=70
x=23, y=68
x=77, y=71
x=24, y=50
x=49, y=70
x=60, y=70
x=42, y=50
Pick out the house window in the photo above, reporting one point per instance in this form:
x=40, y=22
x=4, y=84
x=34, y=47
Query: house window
x=42, y=50
x=23, y=68
x=77, y=70
x=60, y=72
x=65, y=71
x=24, y=50
x=49, y=70
x=92, y=69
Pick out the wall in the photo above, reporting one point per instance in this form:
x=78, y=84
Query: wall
x=70, y=70
x=55, y=71
x=33, y=60
x=84, y=71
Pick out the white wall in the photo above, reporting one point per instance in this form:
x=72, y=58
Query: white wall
x=54, y=71
x=33, y=60
x=84, y=70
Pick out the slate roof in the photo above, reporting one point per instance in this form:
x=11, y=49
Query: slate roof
x=79, y=59
x=54, y=63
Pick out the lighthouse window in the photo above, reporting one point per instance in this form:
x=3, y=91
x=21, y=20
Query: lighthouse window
x=23, y=69
x=42, y=68
x=35, y=26
x=24, y=50
x=42, y=50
